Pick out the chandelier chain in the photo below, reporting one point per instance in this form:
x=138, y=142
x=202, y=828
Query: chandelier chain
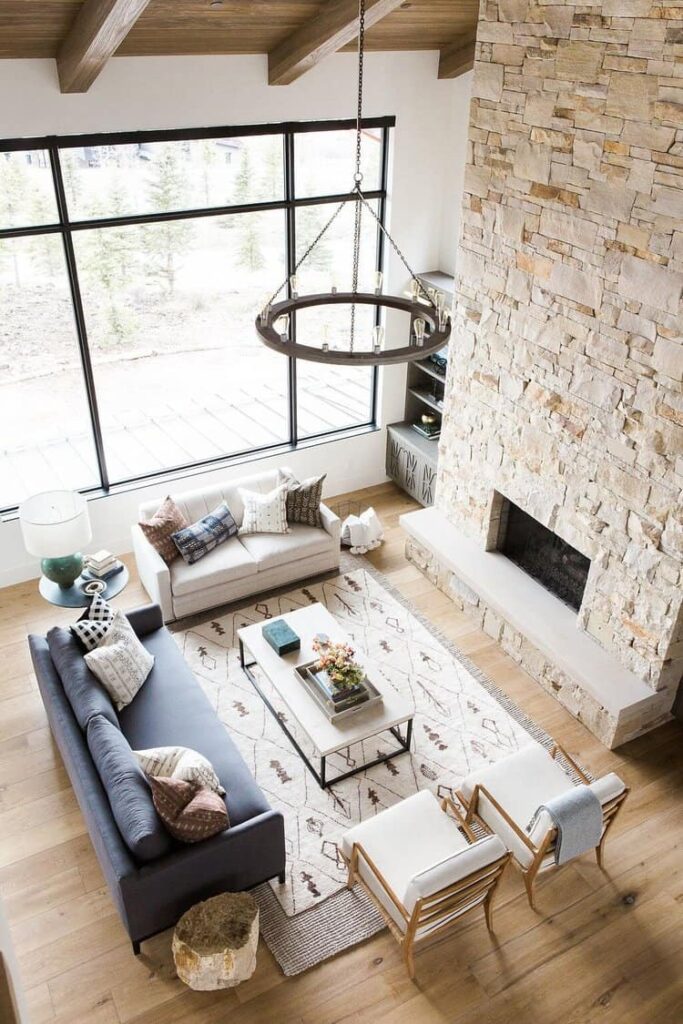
x=309, y=250
x=358, y=176
x=420, y=287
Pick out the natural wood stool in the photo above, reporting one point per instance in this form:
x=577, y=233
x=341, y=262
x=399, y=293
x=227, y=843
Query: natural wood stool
x=214, y=943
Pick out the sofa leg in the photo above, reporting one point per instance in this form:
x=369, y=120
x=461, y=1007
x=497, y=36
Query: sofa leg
x=136, y=948
x=282, y=877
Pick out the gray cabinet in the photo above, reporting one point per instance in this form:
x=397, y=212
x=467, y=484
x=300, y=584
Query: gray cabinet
x=411, y=462
x=411, y=458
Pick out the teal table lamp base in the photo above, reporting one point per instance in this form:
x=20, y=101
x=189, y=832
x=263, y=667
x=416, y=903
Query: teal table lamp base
x=63, y=571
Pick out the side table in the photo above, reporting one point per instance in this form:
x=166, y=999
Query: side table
x=73, y=596
x=214, y=943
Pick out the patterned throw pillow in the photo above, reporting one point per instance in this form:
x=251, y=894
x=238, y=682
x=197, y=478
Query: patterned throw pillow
x=120, y=662
x=189, y=812
x=159, y=530
x=303, y=499
x=91, y=630
x=193, y=542
x=179, y=763
x=264, y=513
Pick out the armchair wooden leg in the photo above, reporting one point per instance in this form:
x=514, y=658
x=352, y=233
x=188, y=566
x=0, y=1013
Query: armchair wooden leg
x=599, y=851
x=409, y=957
x=353, y=861
x=488, y=912
x=528, y=877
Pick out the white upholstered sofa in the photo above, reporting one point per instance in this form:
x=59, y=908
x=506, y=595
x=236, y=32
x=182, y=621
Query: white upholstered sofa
x=241, y=566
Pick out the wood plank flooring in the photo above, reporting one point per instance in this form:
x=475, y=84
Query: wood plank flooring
x=604, y=948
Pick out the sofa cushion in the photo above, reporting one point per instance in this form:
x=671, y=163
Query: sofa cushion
x=120, y=662
x=195, y=541
x=226, y=563
x=190, y=812
x=303, y=499
x=93, y=625
x=159, y=529
x=271, y=550
x=85, y=693
x=128, y=791
x=264, y=513
x=171, y=709
x=179, y=763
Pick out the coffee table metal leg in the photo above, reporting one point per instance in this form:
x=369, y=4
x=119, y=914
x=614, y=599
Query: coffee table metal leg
x=323, y=767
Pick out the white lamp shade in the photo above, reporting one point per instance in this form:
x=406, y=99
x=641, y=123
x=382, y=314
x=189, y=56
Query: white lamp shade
x=55, y=523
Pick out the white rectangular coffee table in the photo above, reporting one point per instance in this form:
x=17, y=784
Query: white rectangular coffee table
x=327, y=737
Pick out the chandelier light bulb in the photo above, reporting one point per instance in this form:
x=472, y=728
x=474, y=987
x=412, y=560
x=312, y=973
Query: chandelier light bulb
x=414, y=289
x=419, y=329
x=294, y=286
x=283, y=326
x=379, y=277
x=377, y=339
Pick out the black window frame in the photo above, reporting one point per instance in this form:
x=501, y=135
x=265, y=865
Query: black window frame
x=65, y=228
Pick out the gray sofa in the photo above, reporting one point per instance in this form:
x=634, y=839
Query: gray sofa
x=170, y=709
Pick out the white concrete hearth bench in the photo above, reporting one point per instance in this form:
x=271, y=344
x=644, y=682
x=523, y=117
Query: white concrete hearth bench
x=537, y=629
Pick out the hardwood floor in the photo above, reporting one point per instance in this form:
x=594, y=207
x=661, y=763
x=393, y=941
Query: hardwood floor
x=604, y=947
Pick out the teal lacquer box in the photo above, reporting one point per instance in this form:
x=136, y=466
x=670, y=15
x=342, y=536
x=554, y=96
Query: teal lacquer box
x=281, y=637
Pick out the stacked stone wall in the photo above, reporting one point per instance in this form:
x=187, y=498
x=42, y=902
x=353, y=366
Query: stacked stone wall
x=564, y=390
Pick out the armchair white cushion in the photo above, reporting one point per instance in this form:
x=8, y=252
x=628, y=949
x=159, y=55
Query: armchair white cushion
x=417, y=851
x=240, y=567
x=519, y=784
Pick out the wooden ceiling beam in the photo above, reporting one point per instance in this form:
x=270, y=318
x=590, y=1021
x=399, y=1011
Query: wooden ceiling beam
x=456, y=59
x=334, y=27
x=96, y=33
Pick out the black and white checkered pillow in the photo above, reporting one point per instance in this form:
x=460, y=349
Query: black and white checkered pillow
x=91, y=631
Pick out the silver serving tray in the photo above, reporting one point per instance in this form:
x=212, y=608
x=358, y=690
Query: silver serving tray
x=301, y=672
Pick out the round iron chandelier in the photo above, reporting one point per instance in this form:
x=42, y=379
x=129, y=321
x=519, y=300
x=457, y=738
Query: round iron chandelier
x=430, y=322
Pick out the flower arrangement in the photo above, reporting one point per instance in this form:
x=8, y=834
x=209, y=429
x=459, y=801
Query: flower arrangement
x=337, y=660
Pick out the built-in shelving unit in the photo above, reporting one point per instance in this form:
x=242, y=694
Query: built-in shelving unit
x=412, y=458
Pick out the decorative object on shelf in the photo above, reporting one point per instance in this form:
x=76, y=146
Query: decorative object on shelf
x=430, y=324
x=430, y=430
x=214, y=943
x=92, y=588
x=281, y=637
x=55, y=525
x=362, y=532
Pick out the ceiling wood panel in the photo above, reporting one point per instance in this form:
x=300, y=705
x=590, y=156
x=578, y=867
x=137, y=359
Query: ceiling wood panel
x=37, y=28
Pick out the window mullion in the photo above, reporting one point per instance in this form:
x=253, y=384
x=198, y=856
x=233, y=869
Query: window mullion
x=290, y=195
x=79, y=315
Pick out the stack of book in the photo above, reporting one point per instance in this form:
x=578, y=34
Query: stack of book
x=338, y=700
x=429, y=430
x=102, y=565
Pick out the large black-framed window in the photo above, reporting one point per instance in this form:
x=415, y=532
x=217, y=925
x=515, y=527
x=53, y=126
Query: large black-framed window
x=125, y=256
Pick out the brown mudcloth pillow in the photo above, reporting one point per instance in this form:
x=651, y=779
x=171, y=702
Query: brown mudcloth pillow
x=159, y=530
x=190, y=813
x=303, y=499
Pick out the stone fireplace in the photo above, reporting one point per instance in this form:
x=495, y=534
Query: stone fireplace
x=563, y=394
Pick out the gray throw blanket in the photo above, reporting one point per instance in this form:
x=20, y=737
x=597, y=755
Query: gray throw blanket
x=577, y=816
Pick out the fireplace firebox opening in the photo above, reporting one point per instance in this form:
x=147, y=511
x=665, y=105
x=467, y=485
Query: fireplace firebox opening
x=551, y=561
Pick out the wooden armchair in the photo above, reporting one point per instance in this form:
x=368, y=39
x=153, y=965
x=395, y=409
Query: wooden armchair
x=422, y=865
x=504, y=797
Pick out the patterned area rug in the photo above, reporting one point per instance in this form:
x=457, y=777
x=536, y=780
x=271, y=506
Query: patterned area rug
x=461, y=721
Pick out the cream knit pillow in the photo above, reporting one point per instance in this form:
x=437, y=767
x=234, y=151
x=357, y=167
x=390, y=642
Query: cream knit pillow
x=264, y=513
x=120, y=662
x=179, y=763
